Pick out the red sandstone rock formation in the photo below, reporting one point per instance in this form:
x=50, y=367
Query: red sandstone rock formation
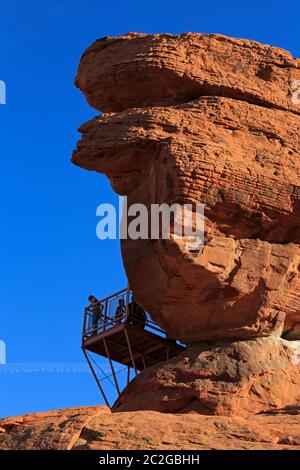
x=138, y=70
x=224, y=378
x=97, y=429
x=53, y=430
x=195, y=118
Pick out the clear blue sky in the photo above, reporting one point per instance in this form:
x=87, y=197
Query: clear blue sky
x=50, y=256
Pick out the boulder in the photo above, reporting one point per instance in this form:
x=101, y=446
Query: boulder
x=138, y=70
x=226, y=378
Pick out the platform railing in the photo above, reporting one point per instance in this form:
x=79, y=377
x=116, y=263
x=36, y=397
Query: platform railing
x=113, y=314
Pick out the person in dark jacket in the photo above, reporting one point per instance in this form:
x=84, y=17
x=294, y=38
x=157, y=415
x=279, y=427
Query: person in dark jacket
x=136, y=314
x=97, y=310
x=120, y=312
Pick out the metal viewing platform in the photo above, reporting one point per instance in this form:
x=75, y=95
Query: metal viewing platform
x=118, y=329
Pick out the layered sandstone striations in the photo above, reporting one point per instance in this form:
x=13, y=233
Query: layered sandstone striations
x=138, y=70
x=208, y=119
x=97, y=429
